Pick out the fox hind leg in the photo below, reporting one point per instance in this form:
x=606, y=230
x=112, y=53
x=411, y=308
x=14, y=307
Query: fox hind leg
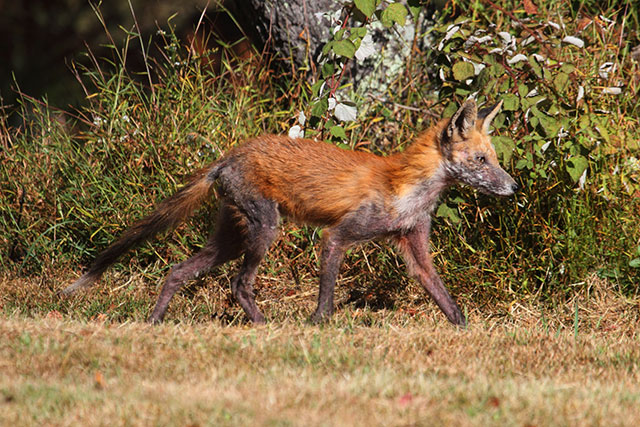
x=262, y=219
x=225, y=244
x=332, y=254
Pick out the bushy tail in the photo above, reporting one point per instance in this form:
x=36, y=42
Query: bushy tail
x=168, y=215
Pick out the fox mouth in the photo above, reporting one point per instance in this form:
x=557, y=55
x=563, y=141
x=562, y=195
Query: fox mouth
x=504, y=191
x=493, y=189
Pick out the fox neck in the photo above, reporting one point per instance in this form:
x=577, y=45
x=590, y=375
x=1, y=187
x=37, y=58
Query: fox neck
x=419, y=179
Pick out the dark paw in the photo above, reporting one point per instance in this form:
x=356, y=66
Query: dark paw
x=458, y=319
x=318, y=318
x=154, y=320
x=258, y=319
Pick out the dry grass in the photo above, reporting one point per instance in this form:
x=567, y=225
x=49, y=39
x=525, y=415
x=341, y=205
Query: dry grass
x=521, y=366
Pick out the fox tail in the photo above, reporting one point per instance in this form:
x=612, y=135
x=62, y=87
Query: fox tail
x=167, y=215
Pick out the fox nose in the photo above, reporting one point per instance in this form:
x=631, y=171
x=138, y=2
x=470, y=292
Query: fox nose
x=515, y=187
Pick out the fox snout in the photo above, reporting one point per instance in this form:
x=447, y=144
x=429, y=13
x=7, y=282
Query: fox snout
x=487, y=178
x=504, y=184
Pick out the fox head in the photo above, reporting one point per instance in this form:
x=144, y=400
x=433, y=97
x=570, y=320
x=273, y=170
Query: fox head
x=468, y=154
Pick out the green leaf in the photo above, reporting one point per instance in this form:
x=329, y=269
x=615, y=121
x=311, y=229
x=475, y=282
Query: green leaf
x=320, y=107
x=344, y=48
x=338, y=132
x=576, y=165
x=499, y=120
x=445, y=211
x=584, y=122
x=550, y=125
x=568, y=68
x=327, y=69
x=463, y=70
x=635, y=263
x=358, y=32
x=523, y=90
x=560, y=81
x=328, y=124
x=395, y=12
x=535, y=66
x=603, y=132
x=450, y=109
x=521, y=164
x=367, y=7
x=532, y=100
x=504, y=147
x=511, y=102
x=483, y=81
x=315, y=89
x=414, y=8
x=327, y=47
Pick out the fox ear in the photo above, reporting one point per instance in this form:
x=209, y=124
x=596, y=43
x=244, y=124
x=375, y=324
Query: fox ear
x=463, y=121
x=486, y=115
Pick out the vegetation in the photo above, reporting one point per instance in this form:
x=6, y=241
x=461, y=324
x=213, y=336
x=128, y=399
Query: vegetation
x=549, y=278
x=72, y=181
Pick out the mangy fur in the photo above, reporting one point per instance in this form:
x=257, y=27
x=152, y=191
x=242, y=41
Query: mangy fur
x=357, y=196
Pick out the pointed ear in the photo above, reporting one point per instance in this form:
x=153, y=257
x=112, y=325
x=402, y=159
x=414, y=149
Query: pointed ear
x=486, y=115
x=463, y=121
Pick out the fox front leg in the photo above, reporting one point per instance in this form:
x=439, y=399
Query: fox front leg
x=414, y=246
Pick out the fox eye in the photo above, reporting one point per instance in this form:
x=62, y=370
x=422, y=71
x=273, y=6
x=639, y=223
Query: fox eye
x=480, y=158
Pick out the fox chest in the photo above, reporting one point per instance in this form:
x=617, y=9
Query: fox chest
x=416, y=206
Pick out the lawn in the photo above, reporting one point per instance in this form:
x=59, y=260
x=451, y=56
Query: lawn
x=578, y=364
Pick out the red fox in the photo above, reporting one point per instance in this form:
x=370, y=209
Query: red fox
x=357, y=196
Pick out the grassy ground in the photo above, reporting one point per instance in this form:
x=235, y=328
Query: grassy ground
x=576, y=364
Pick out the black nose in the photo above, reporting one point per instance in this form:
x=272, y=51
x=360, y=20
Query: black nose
x=515, y=187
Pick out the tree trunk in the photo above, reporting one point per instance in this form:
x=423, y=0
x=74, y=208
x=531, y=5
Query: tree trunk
x=293, y=29
x=296, y=30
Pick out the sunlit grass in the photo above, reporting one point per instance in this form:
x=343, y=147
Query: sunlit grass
x=363, y=367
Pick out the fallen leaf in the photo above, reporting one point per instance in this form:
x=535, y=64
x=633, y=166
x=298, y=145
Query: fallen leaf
x=100, y=318
x=574, y=41
x=584, y=23
x=99, y=381
x=530, y=8
x=405, y=399
x=493, y=401
x=295, y=132
x=345, y=113
x=54, y=314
